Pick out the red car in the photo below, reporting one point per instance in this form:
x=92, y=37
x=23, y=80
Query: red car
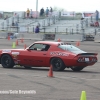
x=45, y=53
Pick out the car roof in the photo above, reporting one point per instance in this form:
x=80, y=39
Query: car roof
x=49, y=42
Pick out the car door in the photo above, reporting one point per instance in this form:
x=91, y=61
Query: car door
x=39, y=54
x=26, y=58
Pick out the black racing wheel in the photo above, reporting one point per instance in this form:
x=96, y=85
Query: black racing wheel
x=7, y=61
x=57, y=64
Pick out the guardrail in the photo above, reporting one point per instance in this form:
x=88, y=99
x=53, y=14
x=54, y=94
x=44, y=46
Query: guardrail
x=51, y=37
x=39, y=37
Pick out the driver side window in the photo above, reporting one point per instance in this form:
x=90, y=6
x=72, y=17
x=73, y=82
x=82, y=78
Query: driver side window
x=40, y=47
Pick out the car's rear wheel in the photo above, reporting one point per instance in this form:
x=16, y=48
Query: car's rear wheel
x=7, y=61
x=74, y=68
x=57, y=64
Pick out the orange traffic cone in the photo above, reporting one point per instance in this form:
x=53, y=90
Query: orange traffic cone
x=50, y=74
x=25, y=46
x=78, y=43
x=59, y=40
x=22, y=40
x=8, y=37
x=17, y=42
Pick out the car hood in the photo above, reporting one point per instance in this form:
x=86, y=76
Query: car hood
x=12, y=49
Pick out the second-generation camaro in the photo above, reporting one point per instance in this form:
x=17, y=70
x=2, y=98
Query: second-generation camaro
x=45, y=53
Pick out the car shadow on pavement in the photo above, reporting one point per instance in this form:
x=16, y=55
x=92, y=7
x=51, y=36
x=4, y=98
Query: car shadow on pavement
x=47, y=69
x=37, y=69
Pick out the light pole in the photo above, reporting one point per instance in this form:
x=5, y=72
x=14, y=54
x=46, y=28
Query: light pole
x=36, y=8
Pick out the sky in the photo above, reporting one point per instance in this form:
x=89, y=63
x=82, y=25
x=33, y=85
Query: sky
x=68, y=5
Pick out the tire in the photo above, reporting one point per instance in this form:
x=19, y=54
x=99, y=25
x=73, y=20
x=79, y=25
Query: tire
x=7, y=61
x=77, y=68
x=27, y=67
x=57, y=64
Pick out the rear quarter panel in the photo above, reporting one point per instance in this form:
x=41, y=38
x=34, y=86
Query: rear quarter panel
x=67, y=57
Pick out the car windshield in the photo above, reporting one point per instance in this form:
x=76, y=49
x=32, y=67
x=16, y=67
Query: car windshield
x=71, y=48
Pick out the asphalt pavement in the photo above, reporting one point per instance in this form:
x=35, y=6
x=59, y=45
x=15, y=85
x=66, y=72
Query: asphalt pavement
x=65, y=85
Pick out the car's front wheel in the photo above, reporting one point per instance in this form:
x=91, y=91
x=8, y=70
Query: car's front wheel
x=57, y=64
x=74, y=68
x=7, y=61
